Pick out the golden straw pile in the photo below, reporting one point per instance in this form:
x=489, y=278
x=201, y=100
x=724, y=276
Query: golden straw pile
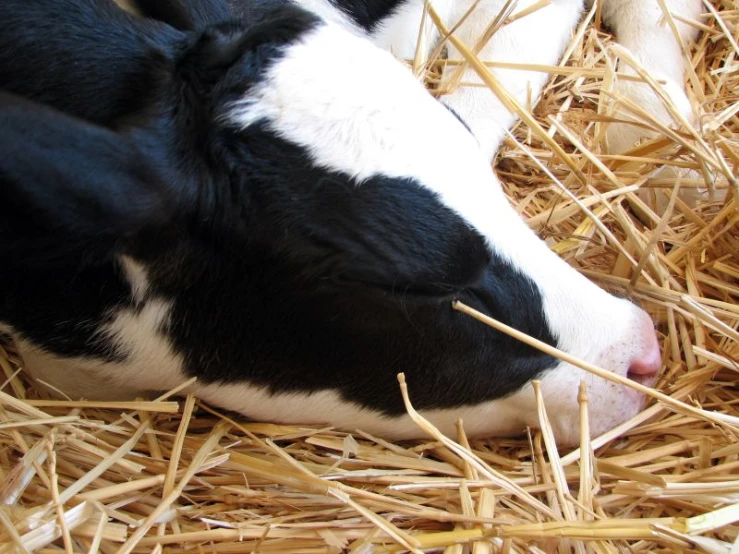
x=173, y=475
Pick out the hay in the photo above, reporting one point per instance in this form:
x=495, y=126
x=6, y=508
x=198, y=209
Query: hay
x=173, y=475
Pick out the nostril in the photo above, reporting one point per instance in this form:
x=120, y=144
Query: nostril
x=648, y=363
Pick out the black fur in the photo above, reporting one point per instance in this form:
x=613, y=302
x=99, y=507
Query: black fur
x=280, y=273
x=196, y=14
x=317, y=282
x=73, y=197
x=70, y=187
x=368, y=13
x=88, y=59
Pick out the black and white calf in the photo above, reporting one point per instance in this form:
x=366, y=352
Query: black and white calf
x=255, y=194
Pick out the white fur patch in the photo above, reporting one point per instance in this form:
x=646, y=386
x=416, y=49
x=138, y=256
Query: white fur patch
x=135, y=273
x=151, y=364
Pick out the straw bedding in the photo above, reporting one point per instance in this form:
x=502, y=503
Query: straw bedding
x=178, y=476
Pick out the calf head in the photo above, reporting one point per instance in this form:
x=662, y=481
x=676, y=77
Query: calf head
x=322, y=212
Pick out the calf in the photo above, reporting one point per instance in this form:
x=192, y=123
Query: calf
x=257, y=195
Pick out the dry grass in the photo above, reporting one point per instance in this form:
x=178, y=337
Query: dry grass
x=170, y=476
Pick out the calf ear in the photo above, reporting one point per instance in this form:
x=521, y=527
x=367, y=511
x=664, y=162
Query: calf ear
x=71, y=189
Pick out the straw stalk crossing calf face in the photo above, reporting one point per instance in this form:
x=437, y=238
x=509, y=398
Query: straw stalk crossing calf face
x=257, y=195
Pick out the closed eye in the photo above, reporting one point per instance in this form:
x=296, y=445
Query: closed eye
x=421, y=290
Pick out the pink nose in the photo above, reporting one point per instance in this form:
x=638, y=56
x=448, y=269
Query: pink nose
x=649, y=361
